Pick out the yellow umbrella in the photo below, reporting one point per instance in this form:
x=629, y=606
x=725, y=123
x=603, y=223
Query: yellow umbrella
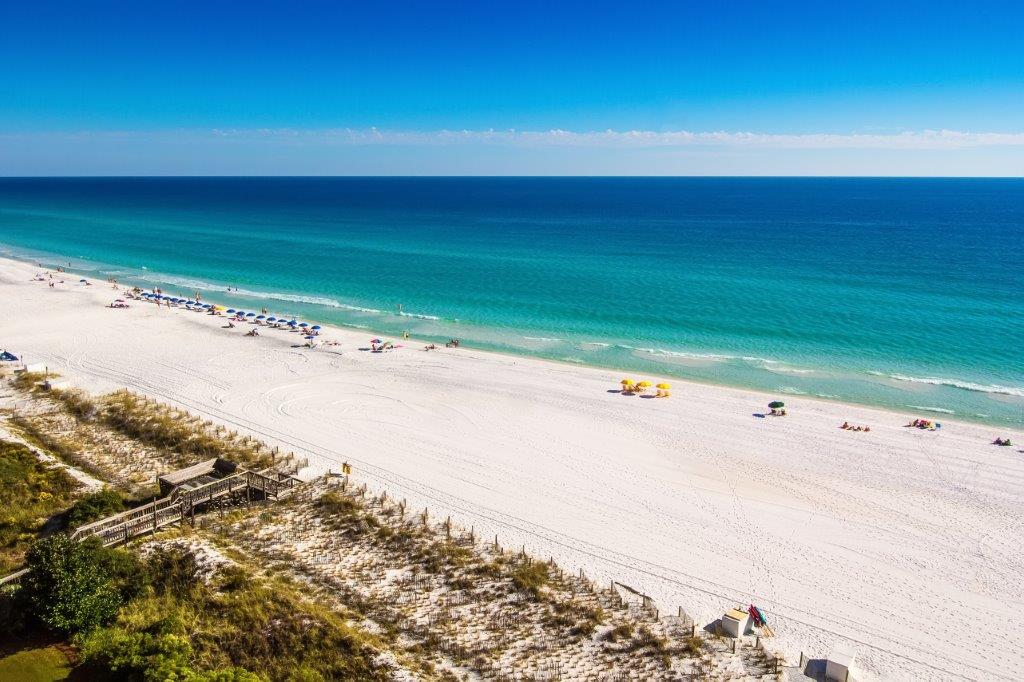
x=626, y=382
x=644, y=384
x=663, y=386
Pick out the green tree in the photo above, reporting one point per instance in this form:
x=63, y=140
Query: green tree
x=67, y=586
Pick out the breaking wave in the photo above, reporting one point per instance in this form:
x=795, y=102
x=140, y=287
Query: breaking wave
x=954, y=383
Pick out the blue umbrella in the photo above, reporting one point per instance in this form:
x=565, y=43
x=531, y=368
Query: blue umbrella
x=271, y=319
x=303, y=324
x=81, y=280
x=207, y=305
x=250, y=314
x=261, y=317
x=315, y=326
x=231, y=310
x=309, y=337
x=291, y=322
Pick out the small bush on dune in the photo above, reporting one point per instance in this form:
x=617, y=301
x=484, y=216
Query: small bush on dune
x=29, y=380
x=77, y=402
x=94, y=506
x=530, y=577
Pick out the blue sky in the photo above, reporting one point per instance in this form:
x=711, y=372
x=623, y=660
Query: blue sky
x=341, y=87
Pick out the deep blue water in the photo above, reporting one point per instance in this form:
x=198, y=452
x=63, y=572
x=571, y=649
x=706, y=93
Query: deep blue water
x=905, y=293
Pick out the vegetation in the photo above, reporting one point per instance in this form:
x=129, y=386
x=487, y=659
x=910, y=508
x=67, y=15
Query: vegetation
x=40, y=664
x=64, y=449
x=68, y=588
x=185, y=628
x=158, y=619
x=159, y=427
x=94, y=506
x=28, y=381
x=31, y=493
x=530, y=577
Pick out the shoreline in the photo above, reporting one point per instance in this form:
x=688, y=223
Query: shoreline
x=841, y=537
x=937, y=412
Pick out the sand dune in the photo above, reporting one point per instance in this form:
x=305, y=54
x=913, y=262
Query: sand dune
x=904, y=543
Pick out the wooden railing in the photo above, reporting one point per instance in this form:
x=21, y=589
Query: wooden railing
x=181, y=502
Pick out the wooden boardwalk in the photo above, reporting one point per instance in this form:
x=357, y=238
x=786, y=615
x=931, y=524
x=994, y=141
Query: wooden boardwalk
x=181, y=505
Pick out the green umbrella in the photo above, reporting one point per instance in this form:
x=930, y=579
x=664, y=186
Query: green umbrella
x=776, y=404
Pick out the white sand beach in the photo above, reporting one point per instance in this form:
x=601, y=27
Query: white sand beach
x=902, y=543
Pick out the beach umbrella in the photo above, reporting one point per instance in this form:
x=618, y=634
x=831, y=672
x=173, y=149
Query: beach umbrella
x=303, y=324
x=644, y=384
x=261, y=317
x=81, y=280
x=232, y=310
x=663, y=386
x=315, y=326
x=374, y=340
x=776, y=404
x=271, y=319
x=291, y=322
x=250, y=314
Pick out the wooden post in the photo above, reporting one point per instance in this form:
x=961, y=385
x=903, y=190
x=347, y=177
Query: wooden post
x=154, y=514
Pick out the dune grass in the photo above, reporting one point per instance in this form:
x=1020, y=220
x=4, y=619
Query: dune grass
x=31, y=493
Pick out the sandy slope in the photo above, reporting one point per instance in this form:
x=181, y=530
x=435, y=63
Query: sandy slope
x=903, y=542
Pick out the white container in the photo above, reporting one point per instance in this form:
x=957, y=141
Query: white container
x=736, y=623
x=839, y=665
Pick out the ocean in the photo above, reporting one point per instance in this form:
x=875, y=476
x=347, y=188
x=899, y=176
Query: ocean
x=899, y=293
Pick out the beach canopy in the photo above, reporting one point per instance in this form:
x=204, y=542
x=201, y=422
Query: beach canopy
x=776, y=404
x=8, y=357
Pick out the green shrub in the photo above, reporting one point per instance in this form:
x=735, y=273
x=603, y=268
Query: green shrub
x=67, y=586
x=95, y=506
x=174, y=571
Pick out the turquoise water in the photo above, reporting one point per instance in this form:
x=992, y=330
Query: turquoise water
x=902, y=293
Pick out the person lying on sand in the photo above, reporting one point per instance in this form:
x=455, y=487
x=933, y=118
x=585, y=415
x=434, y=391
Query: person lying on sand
x=229, y=325
x=253, y=332
x=1002, y=441
x=845, y=425
x=430, y=347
